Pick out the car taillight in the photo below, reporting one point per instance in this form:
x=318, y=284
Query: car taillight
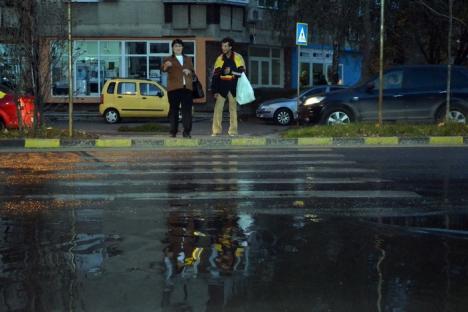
x=102, y=99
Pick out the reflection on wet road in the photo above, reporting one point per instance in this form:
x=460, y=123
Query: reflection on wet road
x=245, y=230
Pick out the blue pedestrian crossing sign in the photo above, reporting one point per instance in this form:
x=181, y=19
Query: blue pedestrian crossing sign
x=302, y=29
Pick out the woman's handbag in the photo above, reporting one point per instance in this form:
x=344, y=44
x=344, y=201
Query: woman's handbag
x=197, y=88
x=244, y=92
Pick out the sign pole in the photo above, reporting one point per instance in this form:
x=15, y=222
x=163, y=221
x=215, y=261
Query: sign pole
x=302, y=31
x=381, y=56
x=298, y=81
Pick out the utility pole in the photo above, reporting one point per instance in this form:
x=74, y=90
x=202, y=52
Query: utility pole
x=449, y=67
x=381, y=84
x=70, y=72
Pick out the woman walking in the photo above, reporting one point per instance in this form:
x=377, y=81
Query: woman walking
x=179, y=86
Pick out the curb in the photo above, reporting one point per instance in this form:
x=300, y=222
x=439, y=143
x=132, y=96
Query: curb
x=230, y=142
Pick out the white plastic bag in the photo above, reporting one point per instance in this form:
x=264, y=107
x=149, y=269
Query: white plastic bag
x=244, y=92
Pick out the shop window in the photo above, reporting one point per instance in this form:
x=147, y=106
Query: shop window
x=59, y=68
x=318, y=74
x=110, y=47
x=155, y=63
x=135, y=48
x=110, y=67
x=106, y=61
x=158, y=47
x=189, y=48
x=86, y=76
x=85, y=47
x=304, y=77
x=136, y=67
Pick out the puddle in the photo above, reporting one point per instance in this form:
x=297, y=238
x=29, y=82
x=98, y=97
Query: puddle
x=96, y=259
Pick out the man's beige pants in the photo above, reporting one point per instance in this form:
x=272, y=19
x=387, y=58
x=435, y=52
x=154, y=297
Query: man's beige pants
x=218, y=115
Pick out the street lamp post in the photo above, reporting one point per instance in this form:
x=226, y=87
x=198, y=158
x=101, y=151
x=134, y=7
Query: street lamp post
x=381, y=84
x=70, y=73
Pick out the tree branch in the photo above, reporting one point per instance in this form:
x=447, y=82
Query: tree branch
x=440, y=14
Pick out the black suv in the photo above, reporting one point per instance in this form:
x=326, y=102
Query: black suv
x=411, y=93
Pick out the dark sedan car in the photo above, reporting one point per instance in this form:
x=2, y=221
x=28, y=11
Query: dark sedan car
x=411, y=93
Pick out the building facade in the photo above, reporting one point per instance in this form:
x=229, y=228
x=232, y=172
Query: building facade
x=130, y=38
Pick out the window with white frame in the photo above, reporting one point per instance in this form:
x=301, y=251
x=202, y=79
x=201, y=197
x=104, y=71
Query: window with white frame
x=96, y=61
x=265, y=67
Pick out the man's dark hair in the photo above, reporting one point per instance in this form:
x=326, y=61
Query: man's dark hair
x=228, y=40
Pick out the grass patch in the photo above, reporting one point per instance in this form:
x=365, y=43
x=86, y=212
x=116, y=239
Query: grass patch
x=45, y=133
x=372, y=130
x=150, y=127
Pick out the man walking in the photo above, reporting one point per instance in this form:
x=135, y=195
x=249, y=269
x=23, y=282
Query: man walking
x=228, y=67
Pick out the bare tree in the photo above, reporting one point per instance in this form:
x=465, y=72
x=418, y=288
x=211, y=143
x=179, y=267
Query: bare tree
x=339, y=24
x=29, y=53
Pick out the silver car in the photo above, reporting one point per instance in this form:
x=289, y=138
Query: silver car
x=283, y=111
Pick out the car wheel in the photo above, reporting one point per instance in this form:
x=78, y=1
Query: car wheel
x=283, y=116
x=112, y=116
x=339, y=116
x=2, y=125
x=457, y=114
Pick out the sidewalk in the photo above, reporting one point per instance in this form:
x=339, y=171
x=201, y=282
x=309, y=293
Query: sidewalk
x=89, y=122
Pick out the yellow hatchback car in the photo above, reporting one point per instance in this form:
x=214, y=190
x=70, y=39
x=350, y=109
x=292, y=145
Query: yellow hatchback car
x=122, y=98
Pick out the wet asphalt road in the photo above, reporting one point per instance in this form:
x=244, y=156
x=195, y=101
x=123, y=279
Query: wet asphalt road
x=339, y=229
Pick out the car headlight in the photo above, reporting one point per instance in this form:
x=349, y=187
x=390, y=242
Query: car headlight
x=264, y=108
x=313, y=100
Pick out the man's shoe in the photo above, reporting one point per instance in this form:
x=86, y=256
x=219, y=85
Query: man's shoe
x=173, y=135
x=233, y=134
x=215, y=134
x=186, y=135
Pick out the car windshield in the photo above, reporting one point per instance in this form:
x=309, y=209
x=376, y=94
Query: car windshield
x=318, y=90
x=309, y=92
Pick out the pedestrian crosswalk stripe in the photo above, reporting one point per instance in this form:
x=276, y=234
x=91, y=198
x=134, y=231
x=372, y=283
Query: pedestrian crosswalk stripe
x=169, y=158
x=174, y=164
x=232, y=170
x=222, y=195
x=223, y=181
